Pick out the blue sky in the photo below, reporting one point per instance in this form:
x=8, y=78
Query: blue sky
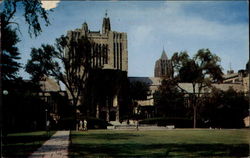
x=220, y=26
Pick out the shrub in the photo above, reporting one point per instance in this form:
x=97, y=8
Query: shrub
x=95, y=123
x=164, y=121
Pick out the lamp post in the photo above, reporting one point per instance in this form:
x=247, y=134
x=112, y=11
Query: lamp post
x=46, y=119
x=5, y=92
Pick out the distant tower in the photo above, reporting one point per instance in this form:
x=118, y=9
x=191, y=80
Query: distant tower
x=106, y=24
x=230, y=71
x=163, y=66
x=85, y=28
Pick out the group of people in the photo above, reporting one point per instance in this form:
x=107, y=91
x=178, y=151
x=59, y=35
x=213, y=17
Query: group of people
x=83, y=125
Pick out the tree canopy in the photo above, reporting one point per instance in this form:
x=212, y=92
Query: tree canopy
x=70, y=68
x=201, y=71
x=169, y=100
x=224, y=109
x=10, y=54
x=33, y=14
x=138, y=90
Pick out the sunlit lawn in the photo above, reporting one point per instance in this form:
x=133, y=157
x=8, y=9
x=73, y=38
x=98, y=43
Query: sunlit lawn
x=23, y=144
x=167, y=143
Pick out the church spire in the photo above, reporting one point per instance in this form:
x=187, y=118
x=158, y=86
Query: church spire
x=106, y=13
x=164, y=55
x=106, y=23
x=85, y=27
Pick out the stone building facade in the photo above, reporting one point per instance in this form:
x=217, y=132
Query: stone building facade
x=147, y=105
x=108, y=53
x=163, y=67
x=109, y=48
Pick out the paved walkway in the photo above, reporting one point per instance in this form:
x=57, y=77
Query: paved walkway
x=55, y=147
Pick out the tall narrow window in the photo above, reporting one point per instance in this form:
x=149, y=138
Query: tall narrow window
x=114, y=56
x=91, y=56
x=117, y=51
x=100, y=55
x=103, y=54
x=121, y=56
x=95, y=56
x=106, y=54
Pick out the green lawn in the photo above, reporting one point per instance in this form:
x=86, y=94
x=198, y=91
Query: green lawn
x=167, y=143
x=23, y=144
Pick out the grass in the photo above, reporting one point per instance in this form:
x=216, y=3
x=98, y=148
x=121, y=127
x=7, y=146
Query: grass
x=23, y=144
x=167, y=143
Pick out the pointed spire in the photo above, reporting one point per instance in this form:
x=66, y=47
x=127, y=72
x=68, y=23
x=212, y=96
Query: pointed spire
x=106, y=24
x=106, y=13
x=164, y=55
x=85, y=26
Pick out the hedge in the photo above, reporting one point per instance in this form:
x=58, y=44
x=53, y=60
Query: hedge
x=164, y=121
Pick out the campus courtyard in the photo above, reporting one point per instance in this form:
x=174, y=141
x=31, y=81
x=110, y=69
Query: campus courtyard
x=111, y=79
x=142, y=143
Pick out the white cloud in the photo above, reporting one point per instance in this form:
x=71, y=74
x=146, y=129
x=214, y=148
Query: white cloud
x=170, y=23
x=47, y=5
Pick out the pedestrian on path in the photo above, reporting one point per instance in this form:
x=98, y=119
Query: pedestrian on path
x=80, y=125
x=85, y=123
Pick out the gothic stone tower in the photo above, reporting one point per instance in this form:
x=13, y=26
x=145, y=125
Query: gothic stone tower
x=110, y=45
x=163, y=67
x=109, y=49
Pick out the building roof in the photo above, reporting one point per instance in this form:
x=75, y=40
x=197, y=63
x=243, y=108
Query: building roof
x=152, y=81
x=49, y=84
x=232, y=75
x=224, y=87
x=164, y=55
x=156, y=81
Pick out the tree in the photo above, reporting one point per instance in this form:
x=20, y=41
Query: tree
x=237, y=105
x=10, y=54
x=105, y=88
x=23, y=107
x=202, y=70
x=169, y=100
x=225, y=109
x=70, y=68
x=178, y=61
x=33, y=12
x=138, y=90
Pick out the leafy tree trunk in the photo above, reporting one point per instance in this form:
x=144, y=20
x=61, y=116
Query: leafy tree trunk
x=195, y=115
x=194, y=106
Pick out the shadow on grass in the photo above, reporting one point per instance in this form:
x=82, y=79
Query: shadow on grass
x=158, y=150
x=108, y=136
x=23, y=146
x=22, y=150
x=23, y=139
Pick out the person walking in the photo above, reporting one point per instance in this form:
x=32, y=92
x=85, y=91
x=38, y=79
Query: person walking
x=80, y=126
x=85, y=123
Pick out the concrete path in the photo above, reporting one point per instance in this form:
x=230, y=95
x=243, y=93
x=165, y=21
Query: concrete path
x=55, y=147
